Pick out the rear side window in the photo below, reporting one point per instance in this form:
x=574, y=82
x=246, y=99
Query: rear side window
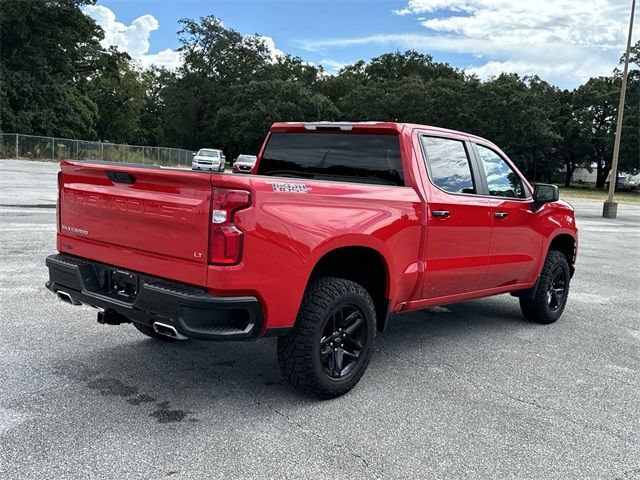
x=346, y=157
x=501, y=179
x=448, y=164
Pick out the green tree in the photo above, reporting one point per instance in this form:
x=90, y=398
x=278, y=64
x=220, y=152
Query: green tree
x=243, y=129
x=596, y=104
x=56, y=79
x=152, y=126
x=515, y=114
x=630, y=140
x=573, y=145
x=231, y=88
x=119, y=95
x=47, y=50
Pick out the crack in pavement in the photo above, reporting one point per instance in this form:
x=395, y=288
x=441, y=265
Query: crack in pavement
x=559, y=413
x=318, y=436
x=232, y=383
x=626, y=474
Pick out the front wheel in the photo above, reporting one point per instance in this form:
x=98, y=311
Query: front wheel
x=330, y=346
x=550, y=296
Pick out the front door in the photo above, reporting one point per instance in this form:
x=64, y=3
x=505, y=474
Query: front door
x=515, y=245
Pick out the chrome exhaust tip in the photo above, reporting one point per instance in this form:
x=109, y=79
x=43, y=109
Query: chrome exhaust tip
x=167, y=331
x=65, y=297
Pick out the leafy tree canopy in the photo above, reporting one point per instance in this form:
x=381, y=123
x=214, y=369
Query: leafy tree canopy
x=56, y=79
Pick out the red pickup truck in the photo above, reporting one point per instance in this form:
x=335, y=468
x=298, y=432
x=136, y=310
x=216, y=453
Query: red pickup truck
x=340, y=225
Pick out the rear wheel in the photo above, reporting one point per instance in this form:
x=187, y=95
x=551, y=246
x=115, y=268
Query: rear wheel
x=550, y=296
x=150, y=332
x=328, y=350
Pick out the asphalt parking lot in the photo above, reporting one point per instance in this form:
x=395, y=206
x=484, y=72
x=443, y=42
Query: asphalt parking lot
x=470, y=391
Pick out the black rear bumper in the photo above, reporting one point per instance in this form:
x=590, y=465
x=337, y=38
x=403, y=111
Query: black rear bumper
x=190, y=310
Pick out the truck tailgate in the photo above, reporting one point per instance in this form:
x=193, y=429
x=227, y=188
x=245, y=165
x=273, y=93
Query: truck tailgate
x=140, y=218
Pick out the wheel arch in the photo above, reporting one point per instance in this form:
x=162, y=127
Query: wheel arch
x=347, y=262
x=566, y=244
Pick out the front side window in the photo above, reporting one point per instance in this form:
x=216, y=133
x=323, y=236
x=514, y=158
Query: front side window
x=448, y=164
x=502, y=180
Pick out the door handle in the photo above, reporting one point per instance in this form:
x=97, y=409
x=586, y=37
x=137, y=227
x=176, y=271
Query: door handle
x=501, y=215
x=441, y=213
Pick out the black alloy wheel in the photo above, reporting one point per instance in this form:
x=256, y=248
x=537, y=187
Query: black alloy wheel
x=343, y=340
x=557, y=288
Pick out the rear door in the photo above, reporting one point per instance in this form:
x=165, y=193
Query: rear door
x=459, y=220
x=515, y=244
x=151, y=220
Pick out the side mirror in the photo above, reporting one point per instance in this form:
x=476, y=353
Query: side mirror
x=193, y=154
x=545, y=193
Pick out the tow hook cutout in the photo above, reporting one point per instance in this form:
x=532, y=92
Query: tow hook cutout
x=111, y=317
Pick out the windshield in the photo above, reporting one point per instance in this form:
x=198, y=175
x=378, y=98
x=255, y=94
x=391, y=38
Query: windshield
x=208, y=153
x=246, y=158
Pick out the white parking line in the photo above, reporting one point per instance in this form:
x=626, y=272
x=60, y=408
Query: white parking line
x=34, y=227
x=630, y=231
x=583, y=223
x=26, y=210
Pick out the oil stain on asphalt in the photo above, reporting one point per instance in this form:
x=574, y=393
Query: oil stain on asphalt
x=163, y=414
x=116, y=388
x=144, y=398
x=112, y=386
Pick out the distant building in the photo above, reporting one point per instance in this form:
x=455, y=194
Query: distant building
x=580, y=175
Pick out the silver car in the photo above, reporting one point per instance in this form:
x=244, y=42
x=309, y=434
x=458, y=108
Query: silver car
x=210, y=159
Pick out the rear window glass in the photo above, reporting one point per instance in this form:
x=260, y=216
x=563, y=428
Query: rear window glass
x=343, y=157
x=448, y=164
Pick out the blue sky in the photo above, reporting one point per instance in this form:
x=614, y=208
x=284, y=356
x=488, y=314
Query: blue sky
x=564, y=41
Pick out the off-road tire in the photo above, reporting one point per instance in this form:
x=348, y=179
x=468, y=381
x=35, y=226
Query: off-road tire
x=537, y=308
x=299, y=355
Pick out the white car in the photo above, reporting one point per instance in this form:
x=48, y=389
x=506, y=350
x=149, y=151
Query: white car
x=208, y=159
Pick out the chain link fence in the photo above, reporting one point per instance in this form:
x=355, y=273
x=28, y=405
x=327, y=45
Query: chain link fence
x=33, y=147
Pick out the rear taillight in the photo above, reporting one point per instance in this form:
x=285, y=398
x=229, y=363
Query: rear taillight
x=225, y=241
x=58, y=204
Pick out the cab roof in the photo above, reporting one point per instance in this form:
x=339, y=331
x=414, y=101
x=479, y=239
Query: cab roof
x=362, y=127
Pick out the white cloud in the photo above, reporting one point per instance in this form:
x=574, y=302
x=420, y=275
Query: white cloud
x=332, y=66
x=563, y=41
x=274, y=52
x=403, y=11
x=165, y=58
x=134, y=38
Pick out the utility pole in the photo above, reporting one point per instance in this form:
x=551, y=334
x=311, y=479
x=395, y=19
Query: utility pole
x=610, y=208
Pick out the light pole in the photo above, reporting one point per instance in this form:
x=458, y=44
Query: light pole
x=610, y=208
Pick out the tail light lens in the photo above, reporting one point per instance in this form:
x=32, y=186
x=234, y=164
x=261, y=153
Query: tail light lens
x=226, y=239
x=58, y=203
